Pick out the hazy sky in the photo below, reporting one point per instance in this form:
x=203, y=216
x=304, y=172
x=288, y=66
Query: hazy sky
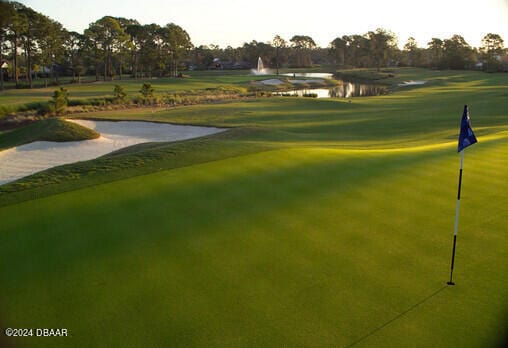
x=229, y=22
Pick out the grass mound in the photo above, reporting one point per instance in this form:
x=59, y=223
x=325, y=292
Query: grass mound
x=53, y=129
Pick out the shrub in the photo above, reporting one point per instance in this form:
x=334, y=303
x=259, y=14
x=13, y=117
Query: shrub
x=6, y=109
x=119, y=95
x=58, y=103
x=147, y=93
x=44, y=109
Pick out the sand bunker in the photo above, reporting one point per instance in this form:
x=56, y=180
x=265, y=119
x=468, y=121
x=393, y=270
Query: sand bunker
x=27, y=159
x=271, y=82
x=306, y=81
x=411, y=83
x=274, y=82
x=317, y=75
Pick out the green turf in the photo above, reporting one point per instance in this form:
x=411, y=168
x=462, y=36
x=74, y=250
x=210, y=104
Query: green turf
x=53, y=129
x=101, y=89
x=315, y=223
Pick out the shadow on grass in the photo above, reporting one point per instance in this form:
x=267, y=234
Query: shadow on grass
x=397, y=317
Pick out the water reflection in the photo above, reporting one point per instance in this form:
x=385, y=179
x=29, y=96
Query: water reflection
x=344, y=90
x=350, y=89
x=319, y=92
x=318, y=75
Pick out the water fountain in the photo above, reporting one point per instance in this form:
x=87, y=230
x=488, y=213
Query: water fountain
x=260, y=65
x=260, y=69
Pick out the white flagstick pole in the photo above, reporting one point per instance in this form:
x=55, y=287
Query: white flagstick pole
x=450, y=282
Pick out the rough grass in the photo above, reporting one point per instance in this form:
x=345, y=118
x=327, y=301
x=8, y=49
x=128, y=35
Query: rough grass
x=52, y=129
x=311, y=223
x=101, y=89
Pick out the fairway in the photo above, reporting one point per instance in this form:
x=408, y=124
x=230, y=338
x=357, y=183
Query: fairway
x=310, y=223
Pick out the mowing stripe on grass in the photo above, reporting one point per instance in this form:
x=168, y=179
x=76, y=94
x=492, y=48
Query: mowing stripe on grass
x=286, y=251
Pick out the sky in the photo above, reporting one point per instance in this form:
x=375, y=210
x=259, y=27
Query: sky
x=229, y=22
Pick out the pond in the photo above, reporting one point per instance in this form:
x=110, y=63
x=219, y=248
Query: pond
x=28, y=159
x=314, y=75
x=344, y=90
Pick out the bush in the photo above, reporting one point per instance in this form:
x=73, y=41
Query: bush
x=172, y=99
x=58, y=104
x=91, y=101
x=6, y=109
x=119, y=95
x=147, y=93
x=44, y=109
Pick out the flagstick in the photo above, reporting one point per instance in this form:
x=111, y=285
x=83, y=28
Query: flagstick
x=456, y=218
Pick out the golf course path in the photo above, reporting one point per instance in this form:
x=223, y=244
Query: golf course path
x=27, y=159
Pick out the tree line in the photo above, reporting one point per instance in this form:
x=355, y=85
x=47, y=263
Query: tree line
x=36, y=46
x=374, y=49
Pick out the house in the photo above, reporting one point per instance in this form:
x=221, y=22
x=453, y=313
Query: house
x=216, y=64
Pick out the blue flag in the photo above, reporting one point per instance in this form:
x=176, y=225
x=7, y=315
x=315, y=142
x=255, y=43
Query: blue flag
x=466, y=136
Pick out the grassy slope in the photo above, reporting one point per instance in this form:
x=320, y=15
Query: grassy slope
x=198, y=80
x=12, y=100
x=316, y=242
x=409, y=117
x=53, y=129
x=133, y=161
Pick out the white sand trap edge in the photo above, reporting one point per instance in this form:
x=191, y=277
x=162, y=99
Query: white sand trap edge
x=412, y=83
x=274, y=82
x=306, y=81
x=28, y=159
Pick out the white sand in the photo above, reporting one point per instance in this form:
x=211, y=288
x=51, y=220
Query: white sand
x=318, y=75
x=411, y=83
x=306, y=81
x=272, y=82
x=27, y=159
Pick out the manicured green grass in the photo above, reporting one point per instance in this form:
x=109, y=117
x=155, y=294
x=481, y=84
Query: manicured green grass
x=53, y=129
x=134, y=161
x=310, y=223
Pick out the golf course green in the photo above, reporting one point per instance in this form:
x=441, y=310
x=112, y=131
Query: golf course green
x=309, y=223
